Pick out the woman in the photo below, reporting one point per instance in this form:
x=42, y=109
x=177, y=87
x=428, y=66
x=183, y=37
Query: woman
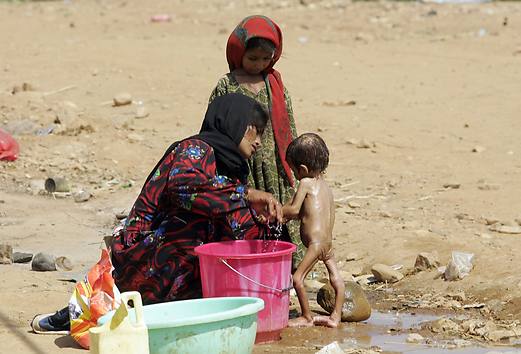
x=196, y=194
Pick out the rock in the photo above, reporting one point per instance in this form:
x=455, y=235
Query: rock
x=414, y=338
x=353, y=205
x=81, y=196
x=43, y=262
x=356, y=307
x=21, y=257
x=425, y=261
x=63, y=263
x=366, y=279
x=6, y=254
x=313, y=285
x=458, y=296
x=351, y=257
x=385, y=273
x=489, y=187
x=122, y=99
x=478, y=149
x=499, y=334
x=444, y=325
x=460, y=343
x=135, y=138
x=452, y=185
x=37, y=186
x=506, y=229
x=364, y=144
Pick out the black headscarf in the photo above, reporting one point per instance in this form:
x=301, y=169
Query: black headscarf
x=223, y=128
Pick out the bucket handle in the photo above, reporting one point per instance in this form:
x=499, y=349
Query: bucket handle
x=138, y=305
x=256, y=282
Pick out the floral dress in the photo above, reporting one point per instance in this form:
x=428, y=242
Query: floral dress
x=266, y=171
x=185, y=204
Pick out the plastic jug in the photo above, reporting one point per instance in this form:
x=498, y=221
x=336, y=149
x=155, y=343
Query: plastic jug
x=120, y=335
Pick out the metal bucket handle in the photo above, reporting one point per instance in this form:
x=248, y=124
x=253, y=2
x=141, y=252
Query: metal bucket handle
x=256, y=282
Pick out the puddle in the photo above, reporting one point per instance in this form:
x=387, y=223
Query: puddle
x=385, y=330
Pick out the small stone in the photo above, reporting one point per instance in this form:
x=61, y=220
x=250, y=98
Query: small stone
x=490, y=220
x=21, y=257
x=135, y=138
x=43, y=262
x=385, y=214
x=478, y=149
x=356, y=307
x=444, y=325
x=426, y=261
x=458, y=296
x=506, y=229
x=37, y=186
x=452, y=185
x=353, y=205
x=122, y=99
x=385, y=273
x=81, y=196
x=364, y=144
x=414, y=338
x=6, y=254
x=63, y=263
x=489, y=187
x=499, y=334
x=351, y=257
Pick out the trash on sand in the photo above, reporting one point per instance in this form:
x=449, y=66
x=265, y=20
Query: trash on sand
x=9, y=148
x=161, y=18
x=57, y=184
x=459, y=266
x=331, y=348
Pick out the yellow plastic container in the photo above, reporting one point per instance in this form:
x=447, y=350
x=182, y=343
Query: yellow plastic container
x=120, y=335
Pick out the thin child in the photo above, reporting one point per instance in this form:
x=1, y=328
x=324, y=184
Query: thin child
x=313, y=204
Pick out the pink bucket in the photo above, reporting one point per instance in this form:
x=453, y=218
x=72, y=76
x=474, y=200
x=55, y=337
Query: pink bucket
x=254, y=268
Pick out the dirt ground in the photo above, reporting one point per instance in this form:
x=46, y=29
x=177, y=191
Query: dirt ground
x=418, y=102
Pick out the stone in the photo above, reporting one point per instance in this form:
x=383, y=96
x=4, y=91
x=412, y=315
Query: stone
x=426, y=261
x=122, y=99
x=63, y=263
x=21, y=257
x=452, y=185
x=135, y=138
x=489, y=187
x=6, y=254
x=458, y=296
x=415, y=338
x=356, y=307
x=43, y=262
x=364, y=144
x=81, y=196
x=385, y=273
x=497, y=335
x=444, y=325
x=37, y=186
x=460, y=343
x=478, y=149
x=505, y=229
x=351, y=257
x=365, y=279
x=353, y=205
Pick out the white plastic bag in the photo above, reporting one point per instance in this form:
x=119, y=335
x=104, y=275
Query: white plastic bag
x=459, y=266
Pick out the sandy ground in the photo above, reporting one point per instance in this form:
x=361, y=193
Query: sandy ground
x=430, y=84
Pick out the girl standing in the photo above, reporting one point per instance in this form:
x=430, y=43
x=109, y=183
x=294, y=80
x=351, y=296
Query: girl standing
x=252, y=50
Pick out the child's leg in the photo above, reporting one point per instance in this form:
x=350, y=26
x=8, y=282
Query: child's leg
x=309, y=260
x=338, y=285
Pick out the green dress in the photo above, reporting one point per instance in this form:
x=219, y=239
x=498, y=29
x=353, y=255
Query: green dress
x=266, y=171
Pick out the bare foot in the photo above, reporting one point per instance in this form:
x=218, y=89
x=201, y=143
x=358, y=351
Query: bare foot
x=325, y=321
x=300, y=322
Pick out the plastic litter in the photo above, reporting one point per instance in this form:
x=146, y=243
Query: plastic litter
x=9, y=148
x=459, y=266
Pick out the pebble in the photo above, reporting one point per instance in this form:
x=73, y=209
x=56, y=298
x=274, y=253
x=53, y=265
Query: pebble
x=353, y=205
x=122, y=99
x=414, y=338
x=364, y=144
x=426, y=260
x=6, y=254
x=37, y=186
x=385, y=273
x=356, y=307
x=135, y=138
x=43, y=262
x=489, y=187
x=506, y=229
x=81, y=196
x=351, y=257
x=452, y=185
x=458, y=296
x=21, y=257
x=478, y=149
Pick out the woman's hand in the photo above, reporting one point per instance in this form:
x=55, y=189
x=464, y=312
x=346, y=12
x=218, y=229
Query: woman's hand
x=265, y=205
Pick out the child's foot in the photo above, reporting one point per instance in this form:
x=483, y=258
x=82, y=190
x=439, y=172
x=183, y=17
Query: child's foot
x=325, y=321
x=300, y=322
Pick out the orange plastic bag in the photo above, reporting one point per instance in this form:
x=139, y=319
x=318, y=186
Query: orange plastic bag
x=92, y=298
x=8, y=147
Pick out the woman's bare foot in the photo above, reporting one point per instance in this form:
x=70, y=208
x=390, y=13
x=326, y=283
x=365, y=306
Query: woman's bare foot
x=300, y=322
x=326, y=321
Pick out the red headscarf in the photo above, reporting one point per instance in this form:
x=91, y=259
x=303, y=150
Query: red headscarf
x=263, y=27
